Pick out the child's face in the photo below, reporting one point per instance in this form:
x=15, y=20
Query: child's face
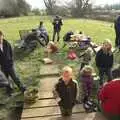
x=67, y=75
x=88, y=73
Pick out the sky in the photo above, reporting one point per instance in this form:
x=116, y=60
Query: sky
x=39, y=3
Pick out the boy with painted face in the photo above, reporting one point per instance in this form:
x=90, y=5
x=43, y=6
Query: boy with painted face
x=66, y=92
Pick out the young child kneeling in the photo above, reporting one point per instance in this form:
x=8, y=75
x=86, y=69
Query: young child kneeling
x=65, y=92
x=51, y=48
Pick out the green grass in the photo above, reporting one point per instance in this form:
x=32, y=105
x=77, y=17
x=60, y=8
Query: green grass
x=29, y=66
x=97, y=30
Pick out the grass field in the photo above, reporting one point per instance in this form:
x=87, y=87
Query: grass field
x=29, y=67
x=97, y=30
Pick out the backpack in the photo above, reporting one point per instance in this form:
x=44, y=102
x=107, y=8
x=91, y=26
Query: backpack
x=90, y=106
x=67, y=36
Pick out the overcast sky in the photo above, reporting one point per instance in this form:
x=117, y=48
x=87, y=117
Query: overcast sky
x=40, y=4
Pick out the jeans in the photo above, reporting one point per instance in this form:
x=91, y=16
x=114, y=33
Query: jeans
x=10, y=72
x=105, y=71
x=58, y=35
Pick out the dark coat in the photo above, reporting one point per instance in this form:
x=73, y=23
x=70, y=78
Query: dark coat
x=57, y=23
x=117, y=24
x=6, y=56
x=67, y=36
x=67, y=93
x=104, y=60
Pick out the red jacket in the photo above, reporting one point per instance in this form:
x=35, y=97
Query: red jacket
x=109, y=96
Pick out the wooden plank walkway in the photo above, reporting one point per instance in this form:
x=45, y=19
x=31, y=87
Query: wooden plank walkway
x=46, y=107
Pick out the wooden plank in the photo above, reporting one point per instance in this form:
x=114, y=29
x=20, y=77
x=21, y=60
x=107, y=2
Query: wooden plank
x=41, y=112
x=47, y=70
x=78, y=116
x=43, y=103
x=47, y=85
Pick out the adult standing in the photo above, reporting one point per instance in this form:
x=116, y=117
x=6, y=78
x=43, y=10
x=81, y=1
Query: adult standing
x=7, y=62
x=117, y=32
x=104, y=61
x=57, y=23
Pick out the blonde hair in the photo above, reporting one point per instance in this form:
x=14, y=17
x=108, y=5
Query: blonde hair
x=107, y=42
x=87, y=69
x=67, y=69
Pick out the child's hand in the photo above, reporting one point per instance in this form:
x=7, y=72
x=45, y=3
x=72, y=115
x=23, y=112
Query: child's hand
x=58, y=99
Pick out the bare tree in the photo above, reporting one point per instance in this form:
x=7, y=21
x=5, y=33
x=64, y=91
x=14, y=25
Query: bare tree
x=50, y=6
x=80, y=7
x=10, y=8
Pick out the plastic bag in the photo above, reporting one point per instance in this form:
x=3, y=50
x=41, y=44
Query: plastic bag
x=72, y=55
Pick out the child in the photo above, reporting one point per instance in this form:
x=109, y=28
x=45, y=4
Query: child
x=86, y=58
x=86, y=83
x=66, y=92
x=51, y=48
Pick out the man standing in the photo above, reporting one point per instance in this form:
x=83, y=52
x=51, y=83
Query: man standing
x=117, y=31
x=57, y=23
x=6, y=62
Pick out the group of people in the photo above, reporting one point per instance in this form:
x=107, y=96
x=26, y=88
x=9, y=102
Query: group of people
x=57, y=23
x=67, y=90
x=7, y=58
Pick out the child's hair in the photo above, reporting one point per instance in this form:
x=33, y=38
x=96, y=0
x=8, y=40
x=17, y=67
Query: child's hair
x=87, y=69
x=67, y=69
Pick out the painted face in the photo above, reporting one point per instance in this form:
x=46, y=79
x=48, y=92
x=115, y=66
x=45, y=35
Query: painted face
x=67, y=75
x=87, y=73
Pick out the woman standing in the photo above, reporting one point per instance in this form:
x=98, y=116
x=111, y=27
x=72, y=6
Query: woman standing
x=104, y=61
